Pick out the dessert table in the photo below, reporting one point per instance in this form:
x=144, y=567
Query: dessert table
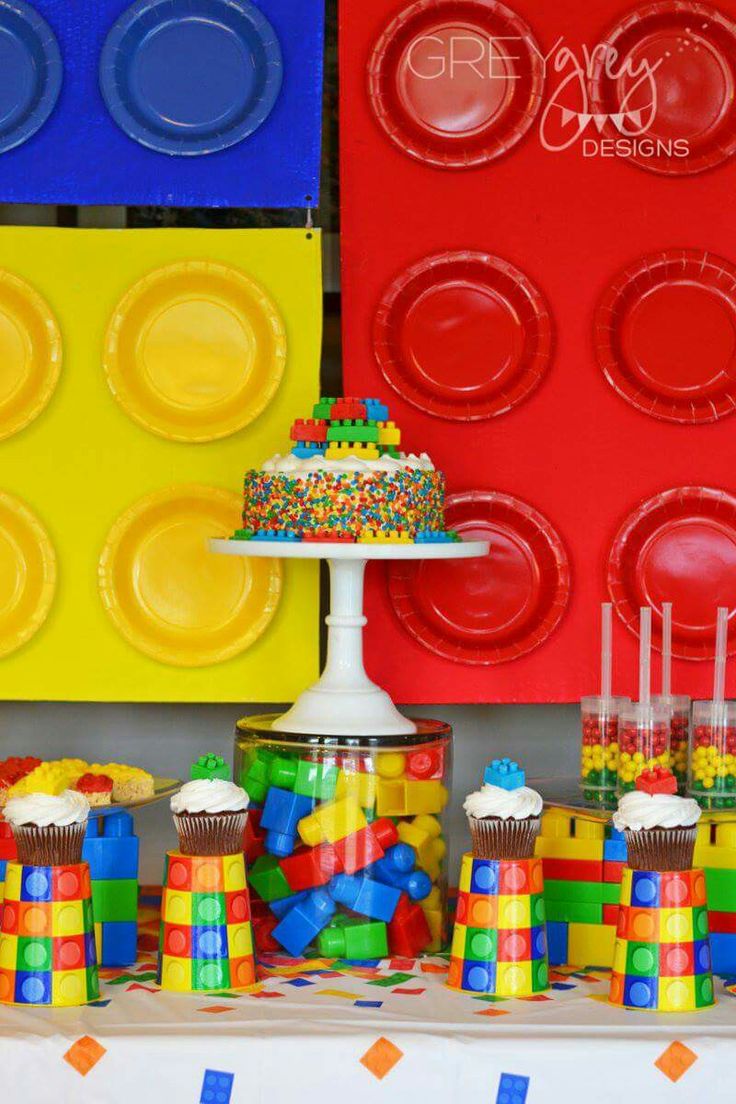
x=385, y=1031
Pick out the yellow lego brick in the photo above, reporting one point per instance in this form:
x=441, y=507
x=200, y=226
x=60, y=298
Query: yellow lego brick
x=513, y=979
x=68, y=987
x=589, y=829
x=676, y=994
x=391, y=798
x=726, y=837
x=8, y=951
x=457, y=950
x=551, y=847
x=390, y=764
x=384, y=536
x=389, y=434
x=239, y=940
x=67, y=918
x=433, y=900
x=233, y=873
x=705, y=834
x=556, y=824
x=434, y=923
x=358, y=786
x=12, y=881
x=338, y=450
x=176, y=974
x=714, y=858
x=421, y=836
x=425, y=797
x=514, y=912
x=331, y=822
x=591, y=944
x=432, y=863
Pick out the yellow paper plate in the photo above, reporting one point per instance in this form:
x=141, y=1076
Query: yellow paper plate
x=27, y=574
x=30, y=354
x=195, y=351
x=168, y=595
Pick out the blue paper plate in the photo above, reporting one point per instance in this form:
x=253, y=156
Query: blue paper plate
x=30, y=72
x=190, y=77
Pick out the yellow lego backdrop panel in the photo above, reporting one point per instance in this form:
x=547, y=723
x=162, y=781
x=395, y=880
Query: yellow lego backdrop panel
x=141, y=373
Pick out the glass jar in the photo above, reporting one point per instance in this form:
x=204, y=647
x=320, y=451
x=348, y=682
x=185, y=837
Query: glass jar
x=644, y=742
x=346, y=839
x=712, y=766
x=599, y=749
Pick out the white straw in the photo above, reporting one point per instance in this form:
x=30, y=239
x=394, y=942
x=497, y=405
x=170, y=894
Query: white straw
x=666, y=649
x=719, y=678
x=606, y=649
x=645, y=646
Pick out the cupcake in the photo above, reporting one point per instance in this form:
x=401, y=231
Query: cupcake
x=48, y=828
x=660, y=827
x=210, y=815
x=504, y=815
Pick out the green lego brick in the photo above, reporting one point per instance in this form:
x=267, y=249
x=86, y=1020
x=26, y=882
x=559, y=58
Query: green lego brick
x=389, y=450
x=481, y=945
x=642, y=959
x=321, y=410
x=210, y=973
x=210, y=766
x=596, y=893
x=353, y=431
x=354, y=939
x=720, y=887
x=575, y=912
x=283, y=772
x=255, y=775
x=316, y=780
x=115, y=899
x=243, y=534
x=267, y=878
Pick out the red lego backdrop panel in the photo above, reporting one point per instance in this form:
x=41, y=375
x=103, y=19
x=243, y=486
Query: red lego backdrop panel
x=539, y=272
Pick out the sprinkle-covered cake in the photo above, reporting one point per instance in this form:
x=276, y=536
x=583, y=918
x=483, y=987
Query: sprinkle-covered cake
x=345, y=479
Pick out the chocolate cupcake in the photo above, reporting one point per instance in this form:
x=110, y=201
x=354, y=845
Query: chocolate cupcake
x=659, y=827
x=210, y=815
x=48, y=829
x=504, y=820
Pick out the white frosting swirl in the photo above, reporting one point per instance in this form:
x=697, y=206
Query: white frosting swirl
x=495, y=801
x=47, y=810
x=209, y=795
x=637, y=810
x=301, y=466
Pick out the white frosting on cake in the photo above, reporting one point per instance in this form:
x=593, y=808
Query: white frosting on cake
x=638, y=810
x=495, y=801
x=47, y=810
x=299, y=466
x=209, y=795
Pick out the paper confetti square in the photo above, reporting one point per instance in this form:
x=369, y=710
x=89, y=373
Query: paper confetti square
x=217, y=1087
x=512, y=1089
x=676, y=1060
x=392, y=979
x=368, y=1004
x=492, y=1012
x=215, y=1008
x=84, y=1054
x=381, y=1058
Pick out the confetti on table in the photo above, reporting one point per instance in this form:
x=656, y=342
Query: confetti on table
x=337, y=993
x=512, y=1089
x=215, y=1008
x=410, y=992
x=84, y=1054
x=492, y=1012
x=217, y=1087
x=368, y=1004
x=392, y=979
x=676, y=1060
x=381, y=1058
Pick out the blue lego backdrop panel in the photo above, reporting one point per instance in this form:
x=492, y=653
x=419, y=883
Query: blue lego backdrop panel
x=182, y=103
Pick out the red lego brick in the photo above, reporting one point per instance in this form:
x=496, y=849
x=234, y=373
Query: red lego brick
x=7, y=849
x=722, y=923
x=364, y=847
x=613, y=871
x=311, y=866
x=311, y=430
x=610, y=914
x=253, y=837
x=6, y=832
x=657, y=780
x=425, y=764
x=264, y=940
x=408, y=930
x=343, y=410
x=572, y=870
x=327, y=536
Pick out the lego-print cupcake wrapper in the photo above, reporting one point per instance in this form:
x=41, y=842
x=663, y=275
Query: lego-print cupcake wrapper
x=210, y=833
x=52, y=846
x=661, y=849
x=495, y=838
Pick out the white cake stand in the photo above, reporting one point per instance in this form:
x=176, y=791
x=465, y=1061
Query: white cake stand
x=344, y=702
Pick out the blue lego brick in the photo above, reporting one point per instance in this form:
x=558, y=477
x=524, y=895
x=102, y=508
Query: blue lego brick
x=479, y=977
x=614, y=850
x=217, y=1087
x=119, y=943
x=303, y=923
x=557, y=942
x=94, y=824
x=364, y=895
x=723, y=951
x=512, y=1089
x=434, y=536
x=397, y=868
x=376, y=411
x=304, y=451
x=281, y=813
x=117, y=824
x=112, y=857
x=284, y=904
x=504, y=773
x=276, y=535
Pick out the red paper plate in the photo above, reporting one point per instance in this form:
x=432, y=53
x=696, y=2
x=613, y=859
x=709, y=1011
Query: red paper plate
x=456, y=83
x=678, y=547
x=491, y=609
x=463, y=335
x=671, y=80
x=665, y=334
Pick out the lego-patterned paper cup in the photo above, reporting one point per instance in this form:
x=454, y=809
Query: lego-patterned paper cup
x=662, y=956
x=206, y=941
x=499, y=944
x=47, y=942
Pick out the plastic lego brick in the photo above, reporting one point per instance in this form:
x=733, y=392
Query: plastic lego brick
x=282, y=812
x=504, y=773
x=610, y=914
x=402, y=797
x=721, y=889
x=254, y=840
x=556, y=824
x=243, y=129
x=331, y=822
x=302, y=924
x=575, y=912
x=597, y=893
x=359, y=786
x=115, y=899
x=391, y=764
x=588, y=829
x=397, y=869
x=723, y=950
x=557, y=942
x=267, y=878
x=571, y=870
x=590, y=944
x=548, y=847
x=358, y=850
x=111, y=857
x=210, y=766
x=280, y=907
x=310, y=867
x=614, y=851
x=119, y=942
x=612, y=871
x=354, y=939
x=711, y=857
x=425, y=763
x=409, y=932
x=315, y=780
x=722, y=922
x=365, y=895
